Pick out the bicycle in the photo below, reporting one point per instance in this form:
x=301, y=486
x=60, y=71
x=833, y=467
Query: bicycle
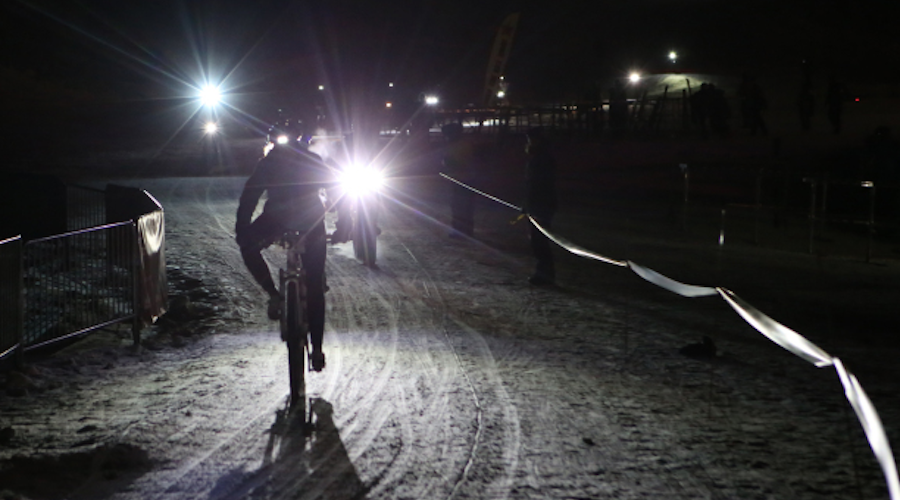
x=294, y=317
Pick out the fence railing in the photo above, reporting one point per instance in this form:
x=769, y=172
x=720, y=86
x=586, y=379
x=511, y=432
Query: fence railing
x=822, y=203
x=643, y=115
x=10, y=295
x=79, y=282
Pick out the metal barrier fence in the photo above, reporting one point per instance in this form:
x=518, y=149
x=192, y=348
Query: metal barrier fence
x=824, y=203
x=78, y=282
x=85, y=207
x=10, y=295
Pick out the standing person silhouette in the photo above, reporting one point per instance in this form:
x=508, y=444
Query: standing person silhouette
x=540, y=203
x=834, y=102
x=806, y=103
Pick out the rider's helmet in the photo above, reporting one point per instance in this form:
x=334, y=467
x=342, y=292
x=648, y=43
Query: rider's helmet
x=288, y=131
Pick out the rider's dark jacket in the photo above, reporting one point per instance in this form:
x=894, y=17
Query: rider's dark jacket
x=292, y=178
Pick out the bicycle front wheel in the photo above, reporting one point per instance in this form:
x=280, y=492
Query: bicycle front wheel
x=364, y=238
x=296, y=342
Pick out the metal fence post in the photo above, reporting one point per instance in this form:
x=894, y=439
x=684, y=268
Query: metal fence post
x=812, y=213
x=136, y=283
x=759, y=177
x=722, y=231
x=871, y=221
x=684, y=208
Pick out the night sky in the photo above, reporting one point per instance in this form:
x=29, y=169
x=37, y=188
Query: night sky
x=269, y=52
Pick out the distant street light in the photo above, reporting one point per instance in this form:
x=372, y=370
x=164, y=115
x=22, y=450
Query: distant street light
x=673, y=56
x=634, y=77
x=431, y=100
x=210, y=95
x=211, y=128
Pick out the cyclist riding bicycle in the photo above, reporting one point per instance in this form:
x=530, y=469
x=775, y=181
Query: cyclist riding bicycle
x=296, y=182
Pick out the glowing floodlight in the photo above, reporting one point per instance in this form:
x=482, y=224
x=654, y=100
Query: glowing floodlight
x=210, y=95
x=388, y=105
x=211, y=128
x=321, y=87
x=431, y=100
x=501, y=94
x=634, y=77
x=673, y=56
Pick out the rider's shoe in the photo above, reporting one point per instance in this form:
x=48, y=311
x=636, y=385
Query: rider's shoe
x=274, y=309
x=318, y=360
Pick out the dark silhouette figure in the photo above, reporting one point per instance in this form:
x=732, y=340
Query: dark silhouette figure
x=806, y=104
x=719, y=112
x=702, y=350
x=834, y=102
x=701, y=102
x=744, y=93
x=754, y=102
x=618, y=109
x=881, y=161
x=540, y=203
x=458, y=158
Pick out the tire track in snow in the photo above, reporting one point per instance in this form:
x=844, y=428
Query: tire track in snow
x=490, y=399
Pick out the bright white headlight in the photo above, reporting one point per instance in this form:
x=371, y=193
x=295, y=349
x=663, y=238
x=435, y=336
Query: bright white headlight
x=359, y=179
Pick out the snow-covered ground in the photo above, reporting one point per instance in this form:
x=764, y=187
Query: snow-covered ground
x=450, y=377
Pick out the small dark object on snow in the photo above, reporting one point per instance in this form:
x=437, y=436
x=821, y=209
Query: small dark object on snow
x=6, y=435
x=588, y=441
x=540, y=280
x=706, y=349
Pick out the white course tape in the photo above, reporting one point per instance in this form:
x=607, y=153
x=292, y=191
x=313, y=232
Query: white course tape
x=577, y=250
x=776, y=332
x=669, y=284
x=871, y=424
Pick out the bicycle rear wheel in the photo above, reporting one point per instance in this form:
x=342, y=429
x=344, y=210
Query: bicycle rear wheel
x=296, y=342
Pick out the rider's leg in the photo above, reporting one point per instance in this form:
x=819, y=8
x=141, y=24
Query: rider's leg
x=259, y=269
x=314, y=264
x=260, y=234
